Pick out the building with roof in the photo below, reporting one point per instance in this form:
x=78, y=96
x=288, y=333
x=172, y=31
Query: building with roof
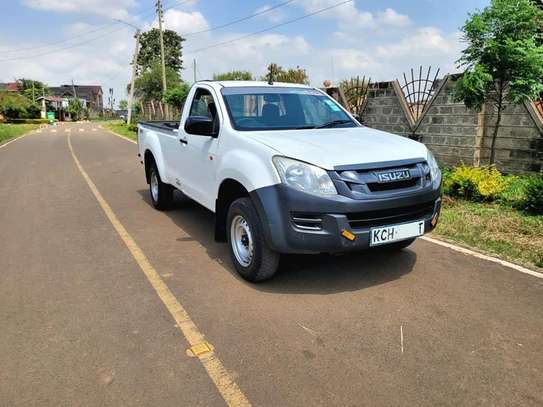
x=91, y=94
x=10, y=86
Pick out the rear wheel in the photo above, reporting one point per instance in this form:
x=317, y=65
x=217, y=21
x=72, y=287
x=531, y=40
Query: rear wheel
x=250, y=254
x=161, y=193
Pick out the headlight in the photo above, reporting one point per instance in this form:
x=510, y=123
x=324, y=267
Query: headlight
x=434, y=168
x=304, y=177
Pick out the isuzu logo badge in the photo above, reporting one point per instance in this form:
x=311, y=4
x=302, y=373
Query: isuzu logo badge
x=393, y=176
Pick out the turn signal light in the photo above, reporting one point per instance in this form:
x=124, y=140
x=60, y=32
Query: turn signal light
x=348, y=235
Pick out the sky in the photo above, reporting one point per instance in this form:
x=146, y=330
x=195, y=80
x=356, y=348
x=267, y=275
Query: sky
x=57, y=41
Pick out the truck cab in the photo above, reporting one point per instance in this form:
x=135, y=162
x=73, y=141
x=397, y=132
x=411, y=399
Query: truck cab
x=286, y=169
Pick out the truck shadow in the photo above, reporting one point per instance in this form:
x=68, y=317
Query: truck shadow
x=300, y=274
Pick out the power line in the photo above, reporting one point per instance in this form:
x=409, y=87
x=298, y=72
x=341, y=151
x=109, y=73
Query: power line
x=239, y=19
x=144, y=12
x=189, y=52
x=267, y=29
x=64, y=48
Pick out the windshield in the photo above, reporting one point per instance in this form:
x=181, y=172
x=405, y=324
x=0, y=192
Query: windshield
x=267, y=108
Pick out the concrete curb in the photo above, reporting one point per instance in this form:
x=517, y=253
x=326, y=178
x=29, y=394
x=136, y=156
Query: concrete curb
x=482, y=256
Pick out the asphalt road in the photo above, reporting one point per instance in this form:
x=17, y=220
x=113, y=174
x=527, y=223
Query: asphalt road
x=81, y=325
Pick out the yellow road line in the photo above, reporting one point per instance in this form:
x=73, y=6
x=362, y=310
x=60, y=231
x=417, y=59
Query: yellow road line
x=228, y=388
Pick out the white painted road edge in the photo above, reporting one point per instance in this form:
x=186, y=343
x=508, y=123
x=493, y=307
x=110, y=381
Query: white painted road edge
x=19, y=137
x=118, y=135
x=483, y=256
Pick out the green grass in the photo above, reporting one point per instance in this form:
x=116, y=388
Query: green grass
x=505, y=232
x=9, y=131
x=119, y=127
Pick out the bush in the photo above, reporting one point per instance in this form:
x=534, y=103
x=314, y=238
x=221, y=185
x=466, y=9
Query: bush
x=477, y=184
x=15, y=106
x=12, y=110
x=533, y=196
x=28, y=121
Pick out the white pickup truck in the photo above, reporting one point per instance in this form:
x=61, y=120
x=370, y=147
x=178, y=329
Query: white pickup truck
x=286, y=169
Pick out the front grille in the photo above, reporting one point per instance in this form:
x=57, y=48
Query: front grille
x=307, y=221
x=365, y=182
x=377, y=187
x=383, y=217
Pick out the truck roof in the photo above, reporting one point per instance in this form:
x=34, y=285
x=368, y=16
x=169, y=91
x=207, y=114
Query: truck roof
x=232, y=84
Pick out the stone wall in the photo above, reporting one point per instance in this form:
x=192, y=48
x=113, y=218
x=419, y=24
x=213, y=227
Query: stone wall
x=384, y=110
x=456, y=134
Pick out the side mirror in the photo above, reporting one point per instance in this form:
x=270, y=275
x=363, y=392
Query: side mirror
x=200, y=126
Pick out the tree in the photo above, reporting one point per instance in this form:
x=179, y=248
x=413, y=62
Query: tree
x=148, y=85
x=175, y=96
x=75, y=108
x=503, y=58
x=149, y=54
x=123, y=104
x=234, y=76
x=32, y=89
x=277, y=74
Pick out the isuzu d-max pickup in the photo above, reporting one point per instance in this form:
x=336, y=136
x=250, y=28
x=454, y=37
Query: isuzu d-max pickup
x=286, y=169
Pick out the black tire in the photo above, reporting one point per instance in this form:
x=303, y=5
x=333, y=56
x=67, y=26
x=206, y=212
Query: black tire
x=164, y=197
x=397, y=246
x=264, y=262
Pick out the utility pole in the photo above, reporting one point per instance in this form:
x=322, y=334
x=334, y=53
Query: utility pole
x=160, y=18
x=73, y=89
x=194, y=63
x=134, y=69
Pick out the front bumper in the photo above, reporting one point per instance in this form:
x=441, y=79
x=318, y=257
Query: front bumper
x=280, y=207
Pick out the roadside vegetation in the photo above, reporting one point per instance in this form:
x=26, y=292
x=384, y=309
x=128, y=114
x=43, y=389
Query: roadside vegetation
x=121, y=128
x=503, y=64
x=496, y=213
x=10, y=131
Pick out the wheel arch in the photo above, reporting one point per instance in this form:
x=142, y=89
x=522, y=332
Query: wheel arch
x=148, y=160
x=229, y=190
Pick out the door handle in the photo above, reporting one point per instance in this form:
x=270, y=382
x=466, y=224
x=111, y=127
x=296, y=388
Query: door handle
x=183, y=141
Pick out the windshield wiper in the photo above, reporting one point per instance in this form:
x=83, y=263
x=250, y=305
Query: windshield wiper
x=334, y=123
x=305, y=127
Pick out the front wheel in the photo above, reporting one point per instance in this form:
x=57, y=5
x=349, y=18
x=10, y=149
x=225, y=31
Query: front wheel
x=250, y=254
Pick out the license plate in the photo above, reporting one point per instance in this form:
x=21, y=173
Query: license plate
x=395, y=233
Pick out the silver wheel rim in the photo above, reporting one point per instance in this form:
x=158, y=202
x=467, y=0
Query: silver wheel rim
x=154, y=186
x=241, y=239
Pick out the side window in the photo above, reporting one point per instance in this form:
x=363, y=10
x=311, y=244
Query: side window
x=203, y=104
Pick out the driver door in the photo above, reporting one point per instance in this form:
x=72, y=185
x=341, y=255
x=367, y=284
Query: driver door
x=198, y=165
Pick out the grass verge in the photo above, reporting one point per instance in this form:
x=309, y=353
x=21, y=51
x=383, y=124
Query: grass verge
x=10, y=131
x=120, y=128
x=501, y=231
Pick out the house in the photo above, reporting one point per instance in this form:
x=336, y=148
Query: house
x=91, y=94
x=59, y=105
x=10, y=86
